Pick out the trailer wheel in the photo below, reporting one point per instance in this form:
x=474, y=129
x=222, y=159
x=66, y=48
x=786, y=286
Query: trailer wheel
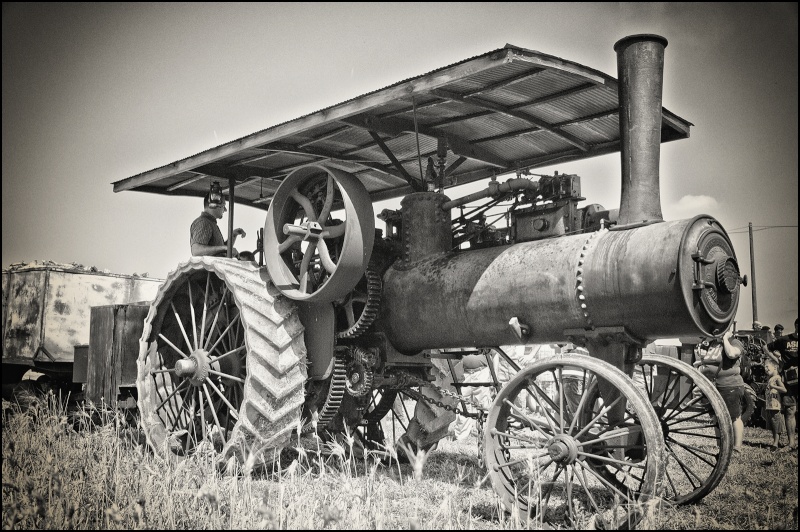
x=386, y=417
x=543, y=452
x=221, y=362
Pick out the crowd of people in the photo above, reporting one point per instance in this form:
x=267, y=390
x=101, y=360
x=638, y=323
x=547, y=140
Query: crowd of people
x=720, y=361
x=782, y=369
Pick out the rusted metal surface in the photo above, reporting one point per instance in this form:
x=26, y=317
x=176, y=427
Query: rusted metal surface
x=47, y=308
x=641, y=279
x=426, y=226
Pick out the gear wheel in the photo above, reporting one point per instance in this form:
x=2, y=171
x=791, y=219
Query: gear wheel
x=368, y=294
x=359, y=373
x=336, y=385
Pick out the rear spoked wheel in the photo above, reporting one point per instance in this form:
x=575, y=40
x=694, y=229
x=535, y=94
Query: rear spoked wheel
x=546, y=447
x=220, y=362
x=386, y=417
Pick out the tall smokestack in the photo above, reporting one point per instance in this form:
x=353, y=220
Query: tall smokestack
x=640, y=67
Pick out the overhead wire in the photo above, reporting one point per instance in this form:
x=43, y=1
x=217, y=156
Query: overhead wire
x=756, y=228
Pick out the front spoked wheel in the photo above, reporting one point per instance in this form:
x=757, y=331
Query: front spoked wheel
x=545, y=444
x=697, y=428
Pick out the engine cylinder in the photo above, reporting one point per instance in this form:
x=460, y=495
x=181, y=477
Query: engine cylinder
x=663, y=280
x=426, y=226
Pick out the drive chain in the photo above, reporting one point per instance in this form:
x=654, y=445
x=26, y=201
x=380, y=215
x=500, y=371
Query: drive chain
x=479, y=416
x=422, y=383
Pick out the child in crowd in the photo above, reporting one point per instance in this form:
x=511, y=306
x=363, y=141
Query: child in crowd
x=772, y=404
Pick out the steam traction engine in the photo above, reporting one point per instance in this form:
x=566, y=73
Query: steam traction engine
x=342, y=318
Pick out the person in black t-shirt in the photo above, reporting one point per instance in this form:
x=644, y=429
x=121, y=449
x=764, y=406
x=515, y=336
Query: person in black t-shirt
x=784, y=351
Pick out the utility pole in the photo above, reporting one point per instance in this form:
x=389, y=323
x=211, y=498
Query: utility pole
x=753, y=273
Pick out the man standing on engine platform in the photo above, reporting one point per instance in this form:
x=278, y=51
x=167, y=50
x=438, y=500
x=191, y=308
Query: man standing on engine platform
x=205, y=237
x=784, y=350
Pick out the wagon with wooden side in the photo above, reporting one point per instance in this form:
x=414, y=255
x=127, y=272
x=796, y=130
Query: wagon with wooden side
x=73, y=326
x=337, y=317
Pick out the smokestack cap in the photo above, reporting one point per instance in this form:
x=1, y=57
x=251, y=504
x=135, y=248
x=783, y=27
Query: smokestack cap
x=631, y=39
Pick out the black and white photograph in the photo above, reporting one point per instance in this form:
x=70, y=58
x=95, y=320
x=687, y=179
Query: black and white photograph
x=418, y=265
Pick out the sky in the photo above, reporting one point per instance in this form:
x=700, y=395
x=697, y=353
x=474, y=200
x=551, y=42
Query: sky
x=95, y=93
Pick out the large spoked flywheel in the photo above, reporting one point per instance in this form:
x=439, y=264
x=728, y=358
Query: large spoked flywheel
x=310, y=255
x=548, y=449
x=221, y=361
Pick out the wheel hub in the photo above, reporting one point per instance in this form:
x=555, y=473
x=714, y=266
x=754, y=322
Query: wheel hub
x=563, y=449
x=195, y=368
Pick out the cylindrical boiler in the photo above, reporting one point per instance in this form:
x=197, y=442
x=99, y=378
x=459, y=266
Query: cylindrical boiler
x=662, y=280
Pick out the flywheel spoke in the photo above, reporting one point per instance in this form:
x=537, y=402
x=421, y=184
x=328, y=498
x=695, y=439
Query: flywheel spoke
x=330, y=191
x=290, y=241
x=303, y=274
x=305, y=204
x=325, y=257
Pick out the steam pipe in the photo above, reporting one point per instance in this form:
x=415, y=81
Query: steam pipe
x=640, y=67
x=493, y=190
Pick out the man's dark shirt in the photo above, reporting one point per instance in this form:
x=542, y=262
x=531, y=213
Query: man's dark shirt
x=205, y=231
x=787, y=347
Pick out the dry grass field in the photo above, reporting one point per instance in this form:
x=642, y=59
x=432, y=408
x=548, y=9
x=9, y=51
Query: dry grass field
x=91, y=470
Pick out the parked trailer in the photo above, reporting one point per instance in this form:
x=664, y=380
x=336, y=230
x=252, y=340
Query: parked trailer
x=342, y=317
x=47, y=311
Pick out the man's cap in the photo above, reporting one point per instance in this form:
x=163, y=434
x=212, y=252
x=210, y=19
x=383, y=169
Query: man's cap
x=214, y=201
x=778, y=326
x=215, y=197
x=756, y=325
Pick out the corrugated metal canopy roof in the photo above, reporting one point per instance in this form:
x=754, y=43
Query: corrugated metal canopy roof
x=506, y=110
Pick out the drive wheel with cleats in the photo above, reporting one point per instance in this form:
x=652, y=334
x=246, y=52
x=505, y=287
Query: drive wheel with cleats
x=221, y=362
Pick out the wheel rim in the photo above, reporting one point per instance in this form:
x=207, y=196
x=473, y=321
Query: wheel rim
x=698, y=445
x=220, y=363
x=543, y=450
x=308, y=257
